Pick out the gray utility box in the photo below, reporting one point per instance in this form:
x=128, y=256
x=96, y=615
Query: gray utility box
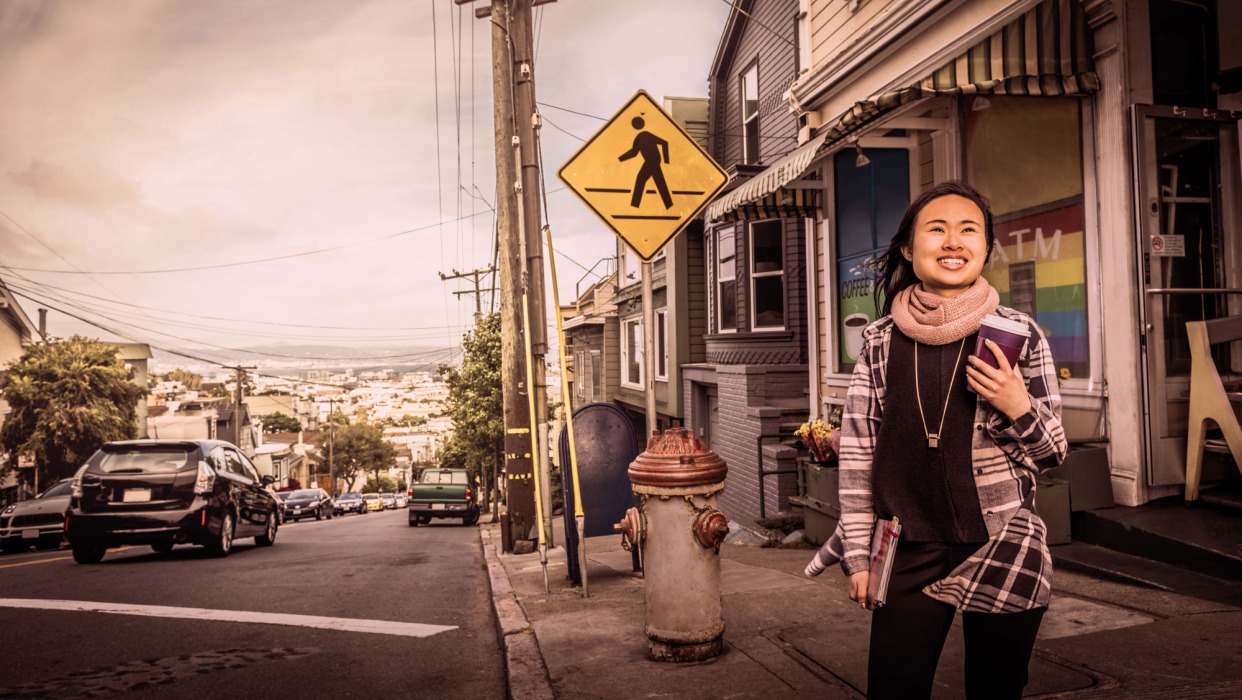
x=1086, y=470
x=821, y=505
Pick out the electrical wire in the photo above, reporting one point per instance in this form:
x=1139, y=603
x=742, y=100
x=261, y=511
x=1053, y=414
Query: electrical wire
x=238, y=263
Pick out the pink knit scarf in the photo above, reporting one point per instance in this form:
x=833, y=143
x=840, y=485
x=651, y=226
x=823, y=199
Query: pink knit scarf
x=935, y=320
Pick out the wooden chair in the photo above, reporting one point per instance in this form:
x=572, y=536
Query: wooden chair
x=1208, y=398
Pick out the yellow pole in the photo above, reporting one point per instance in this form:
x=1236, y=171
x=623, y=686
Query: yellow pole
x=569, y=415
x=537, y=458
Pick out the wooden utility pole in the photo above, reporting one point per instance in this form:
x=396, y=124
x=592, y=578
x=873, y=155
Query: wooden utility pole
x=237, y=407
x=476, y=275
x=521, y=252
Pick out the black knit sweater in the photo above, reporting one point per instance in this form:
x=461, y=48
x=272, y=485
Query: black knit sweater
x=930, y=489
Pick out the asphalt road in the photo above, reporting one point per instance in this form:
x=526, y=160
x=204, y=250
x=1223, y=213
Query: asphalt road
x=408, y=615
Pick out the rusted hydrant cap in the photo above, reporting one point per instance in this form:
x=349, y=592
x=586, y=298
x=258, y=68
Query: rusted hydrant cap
x=677, y=459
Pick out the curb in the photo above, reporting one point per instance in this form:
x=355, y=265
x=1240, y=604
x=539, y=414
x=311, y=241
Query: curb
x=525, y=670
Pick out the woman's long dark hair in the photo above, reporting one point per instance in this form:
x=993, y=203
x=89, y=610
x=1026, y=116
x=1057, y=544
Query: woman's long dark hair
x=897, y=273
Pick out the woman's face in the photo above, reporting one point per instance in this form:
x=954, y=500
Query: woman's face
x=949, y=245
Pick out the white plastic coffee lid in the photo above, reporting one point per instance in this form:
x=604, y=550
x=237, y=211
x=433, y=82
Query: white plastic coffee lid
x=1006, y=324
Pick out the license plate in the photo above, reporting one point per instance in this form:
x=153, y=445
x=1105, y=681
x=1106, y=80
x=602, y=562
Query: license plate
x=437, y=506
x=30, y=534
x=136, y=495
x=297, y=510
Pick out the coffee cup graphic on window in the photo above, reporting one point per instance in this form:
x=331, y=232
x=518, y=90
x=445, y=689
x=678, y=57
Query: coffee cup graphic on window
x=854, y=325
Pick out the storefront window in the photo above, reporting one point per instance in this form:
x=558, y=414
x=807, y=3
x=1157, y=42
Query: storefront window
x=1025, y=155
x=869, y=203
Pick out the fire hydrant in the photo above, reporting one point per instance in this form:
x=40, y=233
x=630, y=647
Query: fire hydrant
x=680, y=533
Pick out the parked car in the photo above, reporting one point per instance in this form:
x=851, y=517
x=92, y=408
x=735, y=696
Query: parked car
x=39, y=522
x=167, y=492
x=373, y=501
x=306, y=503
x=442, y=493
x=390, y=501
x=351, y=503
x=281, y=497
x=402, y=501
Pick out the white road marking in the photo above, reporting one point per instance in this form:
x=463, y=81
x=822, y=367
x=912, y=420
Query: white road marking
x=400, y=629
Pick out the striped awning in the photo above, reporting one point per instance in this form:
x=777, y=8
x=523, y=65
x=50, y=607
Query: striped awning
x=1045, y=51
x=765, y=185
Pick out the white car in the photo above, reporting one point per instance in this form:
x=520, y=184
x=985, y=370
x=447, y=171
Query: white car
x=401, y=500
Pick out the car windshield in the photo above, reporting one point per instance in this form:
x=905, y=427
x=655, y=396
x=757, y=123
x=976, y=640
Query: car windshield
x=283, y=495
x=370, y=497
x=138, y=461
x=350, y=497
x=64, y=488
x=306, y=493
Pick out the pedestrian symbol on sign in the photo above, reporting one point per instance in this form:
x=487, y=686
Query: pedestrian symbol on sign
x=650, y=147
x=642, y=151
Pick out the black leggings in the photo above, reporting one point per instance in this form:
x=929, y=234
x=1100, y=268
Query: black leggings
x=907, y=634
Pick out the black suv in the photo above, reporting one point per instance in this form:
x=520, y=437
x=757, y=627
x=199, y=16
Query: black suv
x=166, y=492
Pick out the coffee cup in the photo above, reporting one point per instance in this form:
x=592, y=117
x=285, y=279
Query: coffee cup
x=1009, y=335
x=854, y=325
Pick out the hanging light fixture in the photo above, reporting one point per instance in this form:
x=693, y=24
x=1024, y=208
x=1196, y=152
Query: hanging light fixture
x=862, y=160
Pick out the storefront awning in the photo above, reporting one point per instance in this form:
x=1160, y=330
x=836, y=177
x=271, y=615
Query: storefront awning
x=1045, y=51
x=765, y=192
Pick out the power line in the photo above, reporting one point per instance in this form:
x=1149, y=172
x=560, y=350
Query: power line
x=232, y=264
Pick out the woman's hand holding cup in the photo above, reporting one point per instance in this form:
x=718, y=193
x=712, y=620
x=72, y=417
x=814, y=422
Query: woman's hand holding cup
x=1004, y=387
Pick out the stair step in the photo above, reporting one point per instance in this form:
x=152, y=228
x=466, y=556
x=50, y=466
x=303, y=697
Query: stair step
x=1202, y=538
x=1105, y=563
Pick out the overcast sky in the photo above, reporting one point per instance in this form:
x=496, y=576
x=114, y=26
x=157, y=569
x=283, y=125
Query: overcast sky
x=144, y=135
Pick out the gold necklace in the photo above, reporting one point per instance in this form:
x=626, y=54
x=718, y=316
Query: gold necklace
x=933, y=439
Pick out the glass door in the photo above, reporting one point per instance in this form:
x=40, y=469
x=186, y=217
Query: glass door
x=1186, y=189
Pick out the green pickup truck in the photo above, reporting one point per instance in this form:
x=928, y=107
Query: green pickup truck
x=442, y=493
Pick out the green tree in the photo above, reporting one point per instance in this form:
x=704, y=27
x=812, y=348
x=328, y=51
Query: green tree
x=380, y=484
x=68, y=397
x=359, y=448
x=475, y=401
x=187, y=378
x=278, y=422
x=406, y=421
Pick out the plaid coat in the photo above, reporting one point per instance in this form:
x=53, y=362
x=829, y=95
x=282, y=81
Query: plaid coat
x=1013, y=570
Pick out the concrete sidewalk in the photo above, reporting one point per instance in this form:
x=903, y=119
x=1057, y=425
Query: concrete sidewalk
x=787, y=636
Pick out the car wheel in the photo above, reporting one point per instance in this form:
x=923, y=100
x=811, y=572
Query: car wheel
x=88, y=553
x=471, y=518
x=413, y=521
x=424, y=519
x=163, y=547
x=268, y=538
x=223, y=544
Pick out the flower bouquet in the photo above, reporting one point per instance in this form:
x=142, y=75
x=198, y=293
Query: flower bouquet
x=821, y=438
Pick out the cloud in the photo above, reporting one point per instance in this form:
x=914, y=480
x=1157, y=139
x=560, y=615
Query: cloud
x=89, y=185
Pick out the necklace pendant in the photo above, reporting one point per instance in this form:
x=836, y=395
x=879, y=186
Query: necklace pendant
x=933, y=441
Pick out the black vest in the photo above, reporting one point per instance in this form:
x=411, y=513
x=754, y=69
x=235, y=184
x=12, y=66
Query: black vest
x=931, y=490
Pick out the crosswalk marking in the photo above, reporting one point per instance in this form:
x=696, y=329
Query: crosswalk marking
x=400, y=629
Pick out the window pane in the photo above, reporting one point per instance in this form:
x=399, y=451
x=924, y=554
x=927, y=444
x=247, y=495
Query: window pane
x=633, y=346
x=766, y=254
x=769, y=302
x=728, y=305
x=596, y=382
x=725, y=249
x=1038, y=265
x=870, y=202
x=750, y=93
x=661, y=348
x=751, y=139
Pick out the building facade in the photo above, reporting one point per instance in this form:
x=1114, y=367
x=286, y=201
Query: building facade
x=1105, y=134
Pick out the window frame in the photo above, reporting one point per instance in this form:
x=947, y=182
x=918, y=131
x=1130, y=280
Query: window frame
x=626, y=359
x=661, y=344
x=754, y=274
x=747, y=120
x=720, y=279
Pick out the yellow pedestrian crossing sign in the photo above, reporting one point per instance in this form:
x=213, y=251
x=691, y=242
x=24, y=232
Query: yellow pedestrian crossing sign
x=643, y=176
